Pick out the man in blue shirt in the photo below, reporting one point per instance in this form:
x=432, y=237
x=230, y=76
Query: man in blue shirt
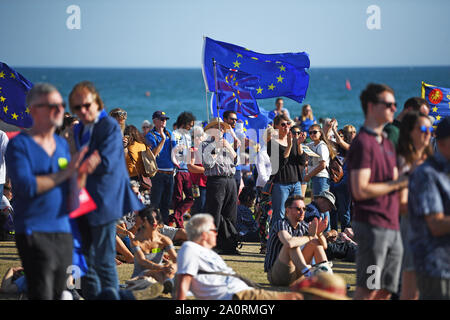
x=160, y=141
x=429, y=211
x=41, y=172
x=181, y=157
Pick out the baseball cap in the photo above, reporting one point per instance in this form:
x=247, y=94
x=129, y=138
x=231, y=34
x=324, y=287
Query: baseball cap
x=160, y=115
x=443, y=129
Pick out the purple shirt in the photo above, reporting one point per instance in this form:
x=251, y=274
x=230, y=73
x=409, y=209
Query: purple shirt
x=366, y=152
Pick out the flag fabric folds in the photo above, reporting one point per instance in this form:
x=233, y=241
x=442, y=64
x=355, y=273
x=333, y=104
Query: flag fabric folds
x=439, y=100
x=13, y=90
x=234, y=91
x=282, y=74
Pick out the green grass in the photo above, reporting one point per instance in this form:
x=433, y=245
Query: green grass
x=250, y=264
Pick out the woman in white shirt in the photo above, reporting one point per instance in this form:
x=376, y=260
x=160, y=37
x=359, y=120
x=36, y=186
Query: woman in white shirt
x=317, y=166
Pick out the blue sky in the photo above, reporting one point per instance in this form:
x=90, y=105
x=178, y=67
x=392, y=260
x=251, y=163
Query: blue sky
x=169, y=33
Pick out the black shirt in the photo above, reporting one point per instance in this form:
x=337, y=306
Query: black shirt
x=289, y=169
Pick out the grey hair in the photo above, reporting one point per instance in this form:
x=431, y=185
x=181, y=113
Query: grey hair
x=38, y=90
x=197, y=225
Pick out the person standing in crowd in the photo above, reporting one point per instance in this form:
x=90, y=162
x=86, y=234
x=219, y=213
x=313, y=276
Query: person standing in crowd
x=181, y=156
x=392, y=129
x=235, y=139
x=121, y=117
x=146, y=127
x=296, y=132
x=429, y=217
x=218, y=158
x=197, y=172
x=307, y=118
x=136, y=144
x=340, y=189
x=41, y=172
x=287, y=160
x=279, y=104
x=374, y=182
x=317, y=166
x=415, y=134
x=3, y=144
x=160, y=141
x=293, y=244
x=109, y=187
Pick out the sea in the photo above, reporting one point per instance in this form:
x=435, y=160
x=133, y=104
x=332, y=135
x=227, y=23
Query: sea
x=142, y=91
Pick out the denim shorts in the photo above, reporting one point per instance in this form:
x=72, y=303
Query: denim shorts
x=378, y=257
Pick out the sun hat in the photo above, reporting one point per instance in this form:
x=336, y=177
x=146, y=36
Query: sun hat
x=329, y=196
x=215, y=121
x=325, y=285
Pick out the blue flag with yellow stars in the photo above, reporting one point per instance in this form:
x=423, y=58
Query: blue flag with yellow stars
x=13, y=90
x=282, y=74
x=234, y=91
x=439, y=100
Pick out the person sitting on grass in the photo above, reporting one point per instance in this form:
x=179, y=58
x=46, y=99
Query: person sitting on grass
x=149, y=246
x=203, y=272
x=247, y=226
x=293, y=244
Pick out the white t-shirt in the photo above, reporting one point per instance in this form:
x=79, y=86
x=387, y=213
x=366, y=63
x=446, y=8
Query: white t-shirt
x=264, y=167
x=193, y=257
x=322, y=150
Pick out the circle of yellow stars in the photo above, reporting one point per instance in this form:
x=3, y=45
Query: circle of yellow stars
x=14, y=115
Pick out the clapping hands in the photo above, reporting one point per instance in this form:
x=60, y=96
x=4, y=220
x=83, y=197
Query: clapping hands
x=317, y=226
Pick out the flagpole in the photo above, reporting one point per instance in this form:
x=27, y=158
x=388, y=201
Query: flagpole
x=217, y=89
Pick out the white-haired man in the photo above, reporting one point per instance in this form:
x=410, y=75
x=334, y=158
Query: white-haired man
x=203, y=272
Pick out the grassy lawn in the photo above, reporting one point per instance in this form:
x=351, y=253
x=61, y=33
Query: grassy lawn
x=250, y=264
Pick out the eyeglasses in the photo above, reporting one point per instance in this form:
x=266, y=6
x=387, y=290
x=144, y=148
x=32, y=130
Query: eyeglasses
x=314, y=132
x=388, y=104
x=425, y=129
x=296, y=132
x=299, y=209
x=80, y=106
x=51, y=105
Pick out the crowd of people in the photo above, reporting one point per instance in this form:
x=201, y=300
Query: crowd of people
x=379, y=197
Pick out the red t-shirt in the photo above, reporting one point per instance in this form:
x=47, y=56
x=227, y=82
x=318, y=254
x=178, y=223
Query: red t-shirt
x=366, y=152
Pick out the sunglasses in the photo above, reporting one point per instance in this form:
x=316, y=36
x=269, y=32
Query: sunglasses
x=284, y=124
x=51, y=105
x=213, y=230
x=120, y=114
x=296, y=132
x=388, y=104
x=80, y=106
x=425, y=129
x=299, y=209
x=145, y=127
x=314, y=132
x=232, y=119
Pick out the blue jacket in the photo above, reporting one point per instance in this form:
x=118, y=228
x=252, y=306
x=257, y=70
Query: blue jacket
x=109, y=185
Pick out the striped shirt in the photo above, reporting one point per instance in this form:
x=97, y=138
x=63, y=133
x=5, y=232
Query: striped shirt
x=274, y=244
x=217, y=161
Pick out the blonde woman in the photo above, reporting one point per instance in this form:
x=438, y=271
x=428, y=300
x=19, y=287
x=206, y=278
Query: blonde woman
x=307, y=118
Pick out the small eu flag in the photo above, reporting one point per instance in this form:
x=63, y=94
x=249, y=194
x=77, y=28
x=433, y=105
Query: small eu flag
x=282, y=74
x=439, y=100
x=13, y=91
x=234, y=90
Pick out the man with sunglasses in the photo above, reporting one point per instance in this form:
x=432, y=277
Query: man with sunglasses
x=160, y=141
x=374, y=185
x=235, y=139
x=293, y=244
x=41, y=171
x=392, y=129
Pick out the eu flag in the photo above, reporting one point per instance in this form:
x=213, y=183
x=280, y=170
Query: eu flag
x=282, y=74
x=234, y=91
x=13, y=90
x=438, y=99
